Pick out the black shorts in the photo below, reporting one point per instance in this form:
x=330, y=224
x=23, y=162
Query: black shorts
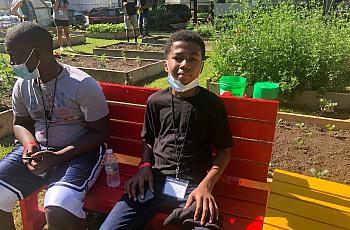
x=61, y=22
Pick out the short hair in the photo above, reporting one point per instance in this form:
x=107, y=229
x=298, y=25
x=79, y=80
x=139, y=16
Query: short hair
x=30, y=34
x=185, y=36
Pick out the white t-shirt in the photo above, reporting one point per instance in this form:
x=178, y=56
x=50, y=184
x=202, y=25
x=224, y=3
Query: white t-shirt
x=78, y=100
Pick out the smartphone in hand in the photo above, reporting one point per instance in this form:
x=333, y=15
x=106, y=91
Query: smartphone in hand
x=29, y=158
x=147, y=196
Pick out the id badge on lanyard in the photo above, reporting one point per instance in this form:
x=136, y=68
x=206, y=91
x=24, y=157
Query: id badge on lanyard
x=175, y=187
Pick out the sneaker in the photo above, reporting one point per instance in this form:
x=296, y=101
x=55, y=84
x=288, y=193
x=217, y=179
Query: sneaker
x=70, y=49
x=61, y=49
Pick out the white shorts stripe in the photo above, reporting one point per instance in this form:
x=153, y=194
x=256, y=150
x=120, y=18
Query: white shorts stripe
x=90, y=180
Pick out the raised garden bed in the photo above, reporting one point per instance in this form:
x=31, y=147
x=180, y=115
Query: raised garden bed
x=117, y=36
x=132, y=50
x=6, y=118
x=116, y=70
x=160, y=39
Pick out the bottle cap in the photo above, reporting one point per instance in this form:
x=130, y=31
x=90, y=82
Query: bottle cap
x=109, y=151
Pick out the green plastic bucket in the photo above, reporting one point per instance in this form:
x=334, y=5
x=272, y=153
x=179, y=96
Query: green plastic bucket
x=234, y=84
x=266, y=90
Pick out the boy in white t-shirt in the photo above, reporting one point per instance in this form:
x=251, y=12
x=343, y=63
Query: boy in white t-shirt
x=60, y=121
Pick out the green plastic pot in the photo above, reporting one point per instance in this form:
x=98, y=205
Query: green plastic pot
x=234, y=84
x=266, y=90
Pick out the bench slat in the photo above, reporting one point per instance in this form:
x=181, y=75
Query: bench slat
x=309, y=211
x=322, y=198
x=242, y=128
x=252, y=129
x=263, y=110
x=334, y=188
x=126, y=112
x=275, y=219
x=125, y=146
x=247, y=169
x=235, y=191
x=243, y=148
x=125, y=93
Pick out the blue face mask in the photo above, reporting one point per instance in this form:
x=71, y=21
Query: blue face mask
x=179, y=87
x=22, y=71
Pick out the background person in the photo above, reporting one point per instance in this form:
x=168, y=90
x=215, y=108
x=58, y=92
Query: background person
x=24, y=9
x=60, y=16
x=143, y=19
x=130, y=18
x=60, y=122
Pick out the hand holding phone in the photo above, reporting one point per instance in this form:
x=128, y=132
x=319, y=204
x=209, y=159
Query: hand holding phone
x=148, y=196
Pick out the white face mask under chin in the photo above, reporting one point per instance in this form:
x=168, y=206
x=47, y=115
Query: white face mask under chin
x=22, y=71
x=178, y=86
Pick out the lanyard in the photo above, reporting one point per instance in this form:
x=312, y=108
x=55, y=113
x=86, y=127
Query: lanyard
x=48, y=112
x=178, y=154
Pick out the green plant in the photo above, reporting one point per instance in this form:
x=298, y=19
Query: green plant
x=300, y=125
x=122, y=53
x=205, y=30
x=296, y=48
x=101, y=60
x=106, y=28
x=138, y=61
x=299, y=141
x=318, y=173
x=327, y=105
x=330, y=127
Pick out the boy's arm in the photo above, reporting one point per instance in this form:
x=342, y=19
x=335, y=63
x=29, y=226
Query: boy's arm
x=202, y=195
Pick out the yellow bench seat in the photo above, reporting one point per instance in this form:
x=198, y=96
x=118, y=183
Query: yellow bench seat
x=306, y=203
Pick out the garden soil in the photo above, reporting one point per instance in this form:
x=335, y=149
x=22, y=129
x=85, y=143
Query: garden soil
x=104, y=62
x=138, y=47
x=299, y=150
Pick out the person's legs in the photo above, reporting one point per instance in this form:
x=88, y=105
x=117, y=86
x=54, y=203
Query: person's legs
x=130, y=214
x=67, y=35
x=127, y=27
x=134, y=23
x=145, y=23
x=16, y=183
x=68, y=184
x=59, y=36
x=141, y=24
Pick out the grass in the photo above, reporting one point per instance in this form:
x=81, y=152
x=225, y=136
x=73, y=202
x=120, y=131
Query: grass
x=90, y=44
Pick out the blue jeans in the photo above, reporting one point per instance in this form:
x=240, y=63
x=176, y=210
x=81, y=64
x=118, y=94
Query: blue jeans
x=143, y=23
x=130, y=214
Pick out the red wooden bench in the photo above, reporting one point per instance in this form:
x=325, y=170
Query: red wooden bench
x=241, y=192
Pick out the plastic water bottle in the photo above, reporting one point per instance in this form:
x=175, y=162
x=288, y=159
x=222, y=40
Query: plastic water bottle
x=112, y=169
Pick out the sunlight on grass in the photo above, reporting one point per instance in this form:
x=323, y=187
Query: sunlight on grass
x=90, y=44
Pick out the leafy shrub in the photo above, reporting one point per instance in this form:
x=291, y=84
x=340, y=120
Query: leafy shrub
x=202, y=15
x=296, y=47
x=106, y=28
x=7, y=80
x=205, y=30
